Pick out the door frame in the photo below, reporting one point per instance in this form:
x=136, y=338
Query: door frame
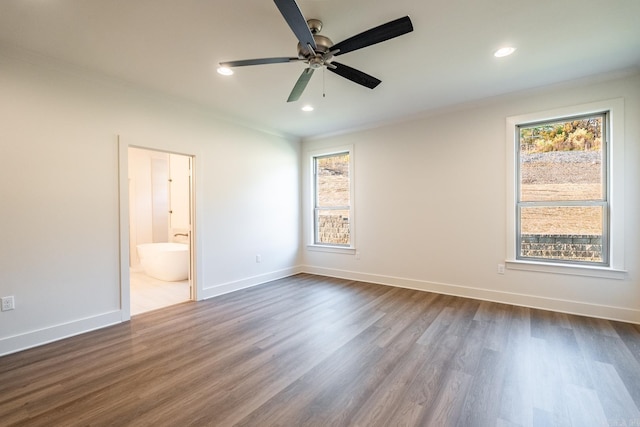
x=123, y=219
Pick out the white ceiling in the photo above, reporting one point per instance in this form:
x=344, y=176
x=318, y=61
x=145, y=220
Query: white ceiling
x=174, y=46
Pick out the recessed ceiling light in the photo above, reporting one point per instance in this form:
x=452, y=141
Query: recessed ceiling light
x=225, y=71
x=504, y=51
x=307, y=108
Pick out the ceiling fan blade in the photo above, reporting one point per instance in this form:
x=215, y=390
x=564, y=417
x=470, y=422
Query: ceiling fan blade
x=354, y=75
x=292, y=14
x=258, y=61
x=374, y=35
x=301, y=84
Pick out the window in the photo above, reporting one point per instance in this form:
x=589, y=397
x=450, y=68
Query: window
x=332, y=210
x=562, y=204
x=565, y=190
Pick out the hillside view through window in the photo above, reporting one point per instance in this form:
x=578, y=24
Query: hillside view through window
x=562, y=200
x=332, y=200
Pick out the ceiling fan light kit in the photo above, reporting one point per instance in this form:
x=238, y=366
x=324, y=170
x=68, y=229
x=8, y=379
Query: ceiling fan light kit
x=319, y=51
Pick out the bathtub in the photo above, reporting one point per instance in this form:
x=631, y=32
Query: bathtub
x=165, y=261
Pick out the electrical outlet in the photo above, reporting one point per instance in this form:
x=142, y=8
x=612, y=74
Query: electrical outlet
x=258, y=258
x=500, y=268
x=8, y=303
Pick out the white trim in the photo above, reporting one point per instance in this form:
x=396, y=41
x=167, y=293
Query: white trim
x=43, y=336
x=571, y=269
x=225, y=288
x=123, y=219
x=49, y=334
x=332, y=249
x=616, y=187
x=16, y=343
x=523, y=300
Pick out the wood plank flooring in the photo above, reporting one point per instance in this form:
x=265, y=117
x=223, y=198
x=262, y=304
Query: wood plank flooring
x=316, y=351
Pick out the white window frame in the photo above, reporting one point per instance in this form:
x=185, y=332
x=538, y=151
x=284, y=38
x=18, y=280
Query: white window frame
x=312, y=245
x=614, y=156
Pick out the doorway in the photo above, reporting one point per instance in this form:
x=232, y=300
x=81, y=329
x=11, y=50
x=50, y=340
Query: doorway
x=160, y=229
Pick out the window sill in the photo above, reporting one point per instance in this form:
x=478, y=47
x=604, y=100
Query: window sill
x=332, y=249
x=575, y=270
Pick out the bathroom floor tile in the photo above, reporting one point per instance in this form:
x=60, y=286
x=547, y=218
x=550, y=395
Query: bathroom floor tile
x=149, y=294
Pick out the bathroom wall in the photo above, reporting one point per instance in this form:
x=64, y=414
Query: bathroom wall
x=141, y=215
x=59, y=181
x=158, y=198
x=179, y=188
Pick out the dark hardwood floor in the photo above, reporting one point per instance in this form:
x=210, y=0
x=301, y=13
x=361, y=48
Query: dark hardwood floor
x=316, y=351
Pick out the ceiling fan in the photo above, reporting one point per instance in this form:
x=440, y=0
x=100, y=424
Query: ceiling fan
x=318, y=51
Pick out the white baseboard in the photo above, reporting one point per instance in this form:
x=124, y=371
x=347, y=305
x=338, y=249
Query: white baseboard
x=31, y=339
x=563, y=306
x=16, y=343
x=225, y=288
x=39, y=337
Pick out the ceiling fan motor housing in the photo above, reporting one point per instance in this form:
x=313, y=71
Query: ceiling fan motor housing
x=323, y=46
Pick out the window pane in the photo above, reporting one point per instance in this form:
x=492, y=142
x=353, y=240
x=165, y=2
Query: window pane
x=332, y=227
x=562, y=161
x=572, y=233
x=332, y=180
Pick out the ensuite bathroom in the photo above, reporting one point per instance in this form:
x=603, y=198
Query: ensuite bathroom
x=159, y=229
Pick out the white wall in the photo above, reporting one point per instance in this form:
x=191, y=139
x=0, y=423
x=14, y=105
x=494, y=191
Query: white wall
x=430, y=201
x=59, y=225
x=430, y=206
